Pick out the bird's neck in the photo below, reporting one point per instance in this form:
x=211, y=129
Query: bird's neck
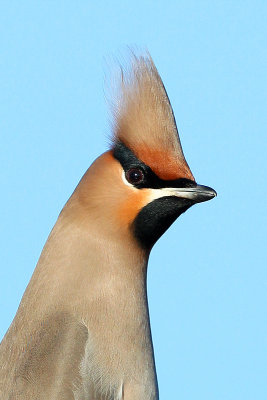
x=102, y=284
x=80, y=265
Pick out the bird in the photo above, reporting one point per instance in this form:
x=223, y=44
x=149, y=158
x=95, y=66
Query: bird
x=82, y=330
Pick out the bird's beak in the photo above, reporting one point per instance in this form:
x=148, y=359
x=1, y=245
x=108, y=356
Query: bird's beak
x=197, y=193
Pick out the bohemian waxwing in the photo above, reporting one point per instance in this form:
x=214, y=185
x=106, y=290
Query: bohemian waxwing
x=82, y=329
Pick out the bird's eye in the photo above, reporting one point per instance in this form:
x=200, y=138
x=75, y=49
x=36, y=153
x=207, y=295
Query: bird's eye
x=135, y=176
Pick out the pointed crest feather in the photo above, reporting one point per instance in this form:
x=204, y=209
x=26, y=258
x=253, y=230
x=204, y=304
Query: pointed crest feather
x=144, y=119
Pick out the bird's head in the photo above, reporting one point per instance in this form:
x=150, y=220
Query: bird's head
x=143, y=183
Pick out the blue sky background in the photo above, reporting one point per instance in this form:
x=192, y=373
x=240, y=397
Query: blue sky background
x=207, y=275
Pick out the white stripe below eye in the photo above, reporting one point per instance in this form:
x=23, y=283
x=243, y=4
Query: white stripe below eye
x=184, y=193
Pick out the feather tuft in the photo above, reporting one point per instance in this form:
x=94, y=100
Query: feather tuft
x=144, y=119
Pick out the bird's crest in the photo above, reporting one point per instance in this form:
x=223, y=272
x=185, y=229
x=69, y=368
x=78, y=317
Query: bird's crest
x=144, y=120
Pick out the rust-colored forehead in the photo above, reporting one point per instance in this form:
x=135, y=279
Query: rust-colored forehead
x=164, y=164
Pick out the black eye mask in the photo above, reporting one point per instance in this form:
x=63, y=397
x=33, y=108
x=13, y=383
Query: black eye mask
x=128, y=161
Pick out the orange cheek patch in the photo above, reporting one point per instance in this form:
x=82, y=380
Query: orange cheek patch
x=163, y=164
x=131, y=206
